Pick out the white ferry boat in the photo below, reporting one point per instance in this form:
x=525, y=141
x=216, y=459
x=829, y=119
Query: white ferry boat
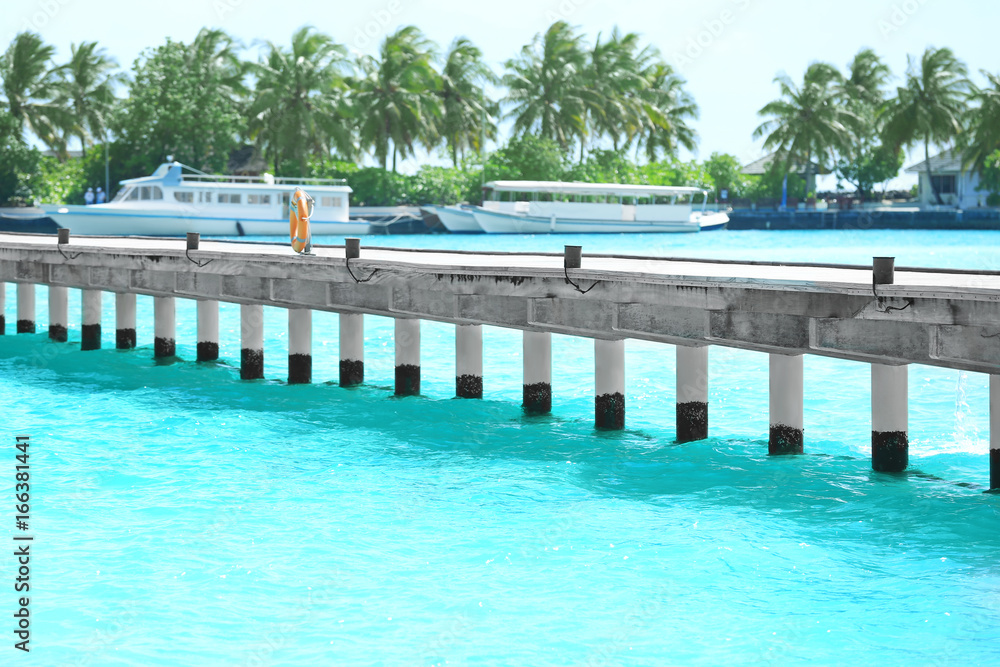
x=459, y=219
x=544, y=207
x=172, y=203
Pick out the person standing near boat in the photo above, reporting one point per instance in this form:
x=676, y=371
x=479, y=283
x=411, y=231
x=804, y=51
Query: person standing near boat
x=88, y=197
x=101, y=197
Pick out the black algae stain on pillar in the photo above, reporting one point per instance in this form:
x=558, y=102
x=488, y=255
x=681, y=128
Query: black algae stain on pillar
x=890, y=451
x=300, y=367
x=407, y=380
x=251, y=364
x=164, y=347
x=90, y=337
x=469, y=386
x=995, y=469
x=610, y=411
x=692, y=421
x=58, y=333
x=352, y=372
x=25, y=326
x=125, y=339
x=3, y=325
x=785, y=440
x=537, y=398
x=208, y=351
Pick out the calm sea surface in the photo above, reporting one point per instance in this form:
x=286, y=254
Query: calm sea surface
x=183, y=517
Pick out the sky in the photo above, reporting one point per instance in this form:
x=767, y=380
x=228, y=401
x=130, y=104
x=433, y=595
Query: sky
x=728, y=50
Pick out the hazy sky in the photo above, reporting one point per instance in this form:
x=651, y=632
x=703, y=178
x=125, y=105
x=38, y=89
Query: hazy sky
x=729, y=50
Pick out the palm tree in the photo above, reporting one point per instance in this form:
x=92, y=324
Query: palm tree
x=614, y=85
x=809, y=122
x=466, y=114
x=397, y=96
x=87, y=86
x=983, y=137
x=30, y=89
x=666, y=110
x=866, y=79
x=299, y=107
x=930, y=106
x=546, y=87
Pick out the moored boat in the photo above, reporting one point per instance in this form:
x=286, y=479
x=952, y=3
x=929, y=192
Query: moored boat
x=457, y=219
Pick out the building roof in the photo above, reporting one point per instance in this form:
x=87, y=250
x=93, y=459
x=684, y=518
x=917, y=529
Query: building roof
x=763, y=165
x=619, y=189
x=947, y=161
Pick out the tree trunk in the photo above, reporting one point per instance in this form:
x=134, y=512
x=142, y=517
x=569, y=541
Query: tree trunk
x=394, y=157
x=930, y=176
x=83, y=147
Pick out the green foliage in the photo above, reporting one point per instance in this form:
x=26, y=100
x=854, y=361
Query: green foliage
x=19, y=174
x=526, y=158
x=867, y=169
x=29, y=86
x=989, y=178
x=726, y=174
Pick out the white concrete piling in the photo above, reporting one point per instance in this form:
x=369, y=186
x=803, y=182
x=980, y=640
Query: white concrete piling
x=890, y=438
x=995, y=432
x=352, y=349
x=692, y=393
x=3, y=306
x=407, y=356
x=90, y=331
x=252, y=341
x=609, y=376
x=299, y=346
x=786, y=397
x=164, y=326
x=208, y=330
x=25, y=308
x=124, y=320
x=537, y=383
x=469, y=360
x=58, y=313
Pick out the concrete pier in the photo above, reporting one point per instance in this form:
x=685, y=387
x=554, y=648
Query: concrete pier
x=786, y=397
x=164, y=327
x=208, y=330
x=90, y=331
x=692, y=393
x=469, y=360
x=25, y=308
x=537, y=384
x=251, y=342
x=299, y=346
x=995, y=432
x=3, y=305
x=124, y=321
x=890, y=439
x=407, y=357
x=58, y=313
x=609, y=400
x=352, y=349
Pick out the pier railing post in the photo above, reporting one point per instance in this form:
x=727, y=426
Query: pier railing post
x=299, y=346
x=25, y=308
x=208, y=330
x=537, y=353
x=469, y=361
x=609, y=400
x=90, y=331
x=995, y=432
x=785, y=389
x=352, y=349
x=58, y=313
x=692, y=393
x=165, y=326
x=124, y=320
x=890, y=440
x=407, y=356
x=252, y=341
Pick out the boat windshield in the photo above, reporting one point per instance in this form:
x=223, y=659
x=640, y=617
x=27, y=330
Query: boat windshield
x=122, y=194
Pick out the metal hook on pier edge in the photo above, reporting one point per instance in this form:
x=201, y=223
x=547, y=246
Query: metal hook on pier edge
x=572, y=259
x=352, y=250
x=64, y=240
x=193, y=241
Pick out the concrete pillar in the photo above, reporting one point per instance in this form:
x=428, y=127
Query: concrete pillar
x=58, y=313
x=3, y=305
x=124, y=321
x=90, y=332
x=25, y=308
x=537, y=372
x=469, y=360
x=165, y=326
x=352, y=349
x=692, y=393
x=995, y=432
x=609, y=401
x=786, y=390
x=252, y=345
x=300, y=361
x=890, y=441
x=208, y=330
x=407, y=357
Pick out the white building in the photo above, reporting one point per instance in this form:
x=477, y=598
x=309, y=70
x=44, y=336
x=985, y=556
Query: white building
x=956, y=186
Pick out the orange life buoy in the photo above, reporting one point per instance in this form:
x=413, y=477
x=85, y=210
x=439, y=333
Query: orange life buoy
x=299, y=211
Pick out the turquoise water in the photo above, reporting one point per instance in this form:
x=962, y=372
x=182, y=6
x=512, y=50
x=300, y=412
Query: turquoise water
x=183, y=517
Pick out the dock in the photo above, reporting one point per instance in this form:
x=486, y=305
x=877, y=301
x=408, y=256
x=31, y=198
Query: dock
x=886, y=316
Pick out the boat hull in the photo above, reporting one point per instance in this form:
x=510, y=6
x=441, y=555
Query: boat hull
x=505, y=223
x=457, y=220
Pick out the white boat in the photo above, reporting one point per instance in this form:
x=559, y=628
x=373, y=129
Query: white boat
x=457, y=219
x=172, y=203
x=550, y=207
